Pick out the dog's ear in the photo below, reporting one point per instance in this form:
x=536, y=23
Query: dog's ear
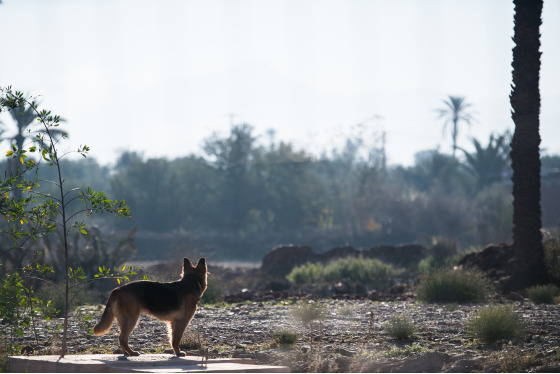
x=187, y=263
x=201, y=265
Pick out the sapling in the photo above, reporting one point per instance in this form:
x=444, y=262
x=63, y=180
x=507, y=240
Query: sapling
x=34, y=213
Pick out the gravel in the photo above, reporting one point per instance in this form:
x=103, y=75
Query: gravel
x=351, y=337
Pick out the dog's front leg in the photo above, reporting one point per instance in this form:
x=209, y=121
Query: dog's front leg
x=177, y=329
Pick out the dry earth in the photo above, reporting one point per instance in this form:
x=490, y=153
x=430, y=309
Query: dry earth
x=351, y=337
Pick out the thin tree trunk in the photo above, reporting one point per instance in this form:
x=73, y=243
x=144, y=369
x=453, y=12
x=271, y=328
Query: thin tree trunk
x=529, y=268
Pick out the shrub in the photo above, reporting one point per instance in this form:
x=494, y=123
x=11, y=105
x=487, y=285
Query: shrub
x=192, y=340
x=370, y=272
x=543, y=294
x=285, y=337
x=400, y=327
x=454, y=286
x=309, y=312
x=551, y=246
x=495, y=324
x=407, y=350
x=214, y=292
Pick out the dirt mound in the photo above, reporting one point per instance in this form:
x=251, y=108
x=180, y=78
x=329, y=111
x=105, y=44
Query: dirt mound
x=495, y=260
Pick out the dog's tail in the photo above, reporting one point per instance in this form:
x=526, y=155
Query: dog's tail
x=107, y=318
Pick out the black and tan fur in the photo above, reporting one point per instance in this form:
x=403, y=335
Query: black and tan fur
x=173, y=302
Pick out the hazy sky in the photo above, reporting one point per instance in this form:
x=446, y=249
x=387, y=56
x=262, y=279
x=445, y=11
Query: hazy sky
x=158, y=77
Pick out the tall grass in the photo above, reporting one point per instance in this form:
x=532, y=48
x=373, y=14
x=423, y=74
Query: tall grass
x=454, y=286
x=367, y=271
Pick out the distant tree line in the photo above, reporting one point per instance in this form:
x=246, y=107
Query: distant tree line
x=244, y=188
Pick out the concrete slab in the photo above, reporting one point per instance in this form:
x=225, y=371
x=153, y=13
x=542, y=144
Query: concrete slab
x=147, y=363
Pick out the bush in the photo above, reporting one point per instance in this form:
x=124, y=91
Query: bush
x=551, y=246
x=309, y=312
x=495, y=324
x=367, y=271
x=285, y=337
x=543, y=294
x=454, y=286
x=214, y=292
x=400, y=327
x=87, y=296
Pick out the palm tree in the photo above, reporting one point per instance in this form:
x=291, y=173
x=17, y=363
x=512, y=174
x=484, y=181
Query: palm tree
x=456, y=110
x=24, y=119
x=528, y=264
x=488, y=164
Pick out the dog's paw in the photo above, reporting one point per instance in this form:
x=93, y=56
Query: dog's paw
x=181, y=354
x=135, y=353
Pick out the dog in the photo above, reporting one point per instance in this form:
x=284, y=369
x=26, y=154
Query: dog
x=172, y=302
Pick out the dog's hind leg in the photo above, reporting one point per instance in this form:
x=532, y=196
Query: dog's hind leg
x=126, y=325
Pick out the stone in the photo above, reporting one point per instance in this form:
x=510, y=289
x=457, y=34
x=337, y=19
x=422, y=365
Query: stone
x=373, y=295
x=345, y=352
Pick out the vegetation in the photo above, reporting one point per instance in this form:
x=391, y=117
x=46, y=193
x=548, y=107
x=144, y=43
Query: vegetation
x=495, y=324
x=285, y=337
x=400, y=327
x=551, y=244
x=32, y=214
x=543, y=294
x=309, y=312
x=285, y=195
x=455, y=111
x=454, y=286
x=367, y=271
x=214, y=293
x=407, y=350
x=442, y=253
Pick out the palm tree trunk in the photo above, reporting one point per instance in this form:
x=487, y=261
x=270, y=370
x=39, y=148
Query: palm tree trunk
x=529, y=268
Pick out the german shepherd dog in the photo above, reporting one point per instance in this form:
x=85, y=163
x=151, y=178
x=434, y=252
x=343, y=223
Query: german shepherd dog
x=173, y=302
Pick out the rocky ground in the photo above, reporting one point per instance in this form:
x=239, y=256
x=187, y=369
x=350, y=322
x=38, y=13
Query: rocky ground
x=350, y=336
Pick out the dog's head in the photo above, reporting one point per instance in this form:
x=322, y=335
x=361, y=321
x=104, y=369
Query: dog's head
x=200, y=269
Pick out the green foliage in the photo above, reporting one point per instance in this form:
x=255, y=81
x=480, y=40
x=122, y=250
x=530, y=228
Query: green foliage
x=367, y=271
x=488, y=164
x=495, y=324
x=400, y=327
x=31, y=213
x=285, y=337
x=454, y=286
x=12, y=303
x=543, y=294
